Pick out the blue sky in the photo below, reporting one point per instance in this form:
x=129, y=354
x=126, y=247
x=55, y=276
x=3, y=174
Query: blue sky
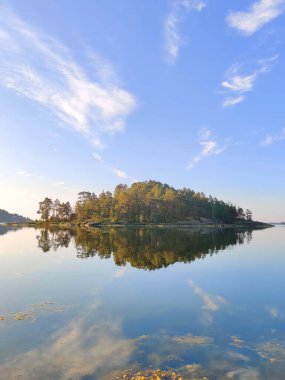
x=187, y=92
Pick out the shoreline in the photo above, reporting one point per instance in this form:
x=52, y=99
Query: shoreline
x=184, y=225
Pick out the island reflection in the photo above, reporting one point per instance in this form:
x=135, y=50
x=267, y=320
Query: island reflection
x=143, y=248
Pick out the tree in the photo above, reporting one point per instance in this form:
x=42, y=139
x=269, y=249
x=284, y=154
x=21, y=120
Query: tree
x=143, y=202
x=56, y=209
x=240, y=213
x=106, y=203
x=45, y=209
x=248, y=214
x=84, y=207
x=66, y=210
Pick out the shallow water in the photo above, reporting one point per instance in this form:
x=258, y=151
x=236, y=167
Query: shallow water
x=91, y=305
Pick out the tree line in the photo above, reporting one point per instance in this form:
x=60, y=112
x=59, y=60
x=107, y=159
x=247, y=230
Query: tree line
x=142, y=202
x=55, y=211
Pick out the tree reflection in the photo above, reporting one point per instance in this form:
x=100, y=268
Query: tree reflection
x=143, y=248
x=53, y=239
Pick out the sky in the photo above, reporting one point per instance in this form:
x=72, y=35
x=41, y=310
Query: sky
x=95, y=93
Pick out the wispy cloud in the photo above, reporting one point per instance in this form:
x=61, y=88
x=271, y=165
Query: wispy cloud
x=259, y=14
x=97, y=157
x=232, y=101
x=205, y=133
x=209, y=148
x=119, y=173
x=271, y=139
x=97, y=143
x=174, y=40
x=37, y=67
x=239, y=83
x=100, y=161
x=34, y=179
x=211, y=303
x=24, y=173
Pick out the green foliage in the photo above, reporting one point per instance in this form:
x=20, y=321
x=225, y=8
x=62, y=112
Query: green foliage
x=152, y=202
x=45, y=208
x=54, y=211
x=143, y=202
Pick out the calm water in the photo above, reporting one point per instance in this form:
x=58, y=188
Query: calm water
x=89, y=305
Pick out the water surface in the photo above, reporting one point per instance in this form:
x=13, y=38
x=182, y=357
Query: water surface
x=93, y=304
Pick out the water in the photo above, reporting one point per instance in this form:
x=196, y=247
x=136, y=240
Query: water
x=91, y=305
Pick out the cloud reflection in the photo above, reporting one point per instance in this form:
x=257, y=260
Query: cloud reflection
x=211, y=303
x=76, y=352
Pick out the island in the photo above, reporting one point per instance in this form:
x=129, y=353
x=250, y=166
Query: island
x=145, y=203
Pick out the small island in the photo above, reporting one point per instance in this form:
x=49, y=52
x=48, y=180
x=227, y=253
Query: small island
x=145, y=203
